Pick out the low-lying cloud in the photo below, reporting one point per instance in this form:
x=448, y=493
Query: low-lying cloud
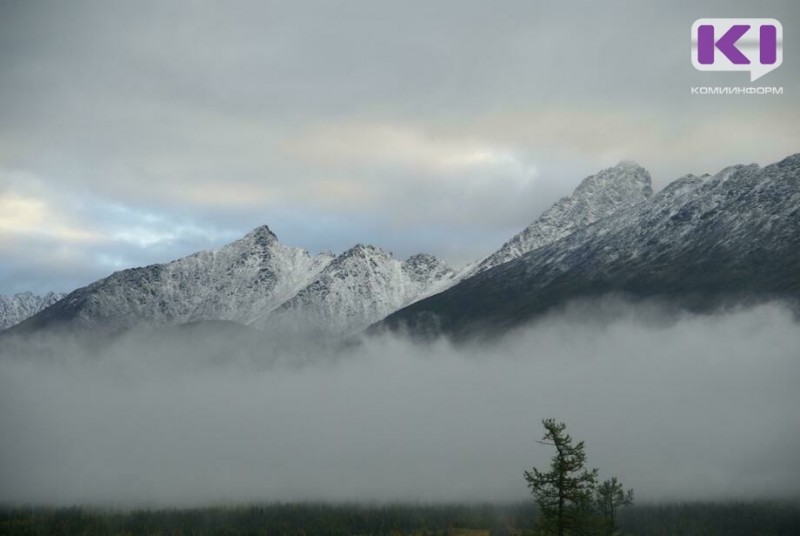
x=683, y=407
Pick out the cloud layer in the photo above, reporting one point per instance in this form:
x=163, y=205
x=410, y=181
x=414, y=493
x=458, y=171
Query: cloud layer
x=679, y=408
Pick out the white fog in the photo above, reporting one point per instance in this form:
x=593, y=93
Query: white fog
x=679, y=407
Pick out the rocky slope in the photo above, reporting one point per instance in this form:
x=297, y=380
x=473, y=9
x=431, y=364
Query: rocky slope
x=598, y=196
x=699, y=243
x=237, y=282
x=256, y=281
x=361, y=286
x=14, y=309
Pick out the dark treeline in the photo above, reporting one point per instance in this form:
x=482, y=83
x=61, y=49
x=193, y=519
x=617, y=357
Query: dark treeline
x=275, y=519
x=731, y=519
x=709, y=518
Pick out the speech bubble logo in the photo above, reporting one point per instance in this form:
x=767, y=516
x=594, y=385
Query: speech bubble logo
x=754, y=45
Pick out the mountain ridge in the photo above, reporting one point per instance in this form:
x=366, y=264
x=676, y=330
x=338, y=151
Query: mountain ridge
x=699, y=242
x=699, y=238
x=362, y=285
x=18, y=307
x=245, y=281
x=597, y=196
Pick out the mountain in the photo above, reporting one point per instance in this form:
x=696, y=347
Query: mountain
x=254, y=281
x=361, y=286
x=596, y=197
x=15, y=309
x=699, y=243
x=237, y=282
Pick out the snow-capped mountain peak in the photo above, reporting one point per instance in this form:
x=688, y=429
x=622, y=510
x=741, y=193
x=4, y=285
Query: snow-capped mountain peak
x=612, y=224
x=362, y=285
x=423, y=267
x=259, y=281
x=261, y=236
x=699, y=244
x=596, y=197
x=238, y=282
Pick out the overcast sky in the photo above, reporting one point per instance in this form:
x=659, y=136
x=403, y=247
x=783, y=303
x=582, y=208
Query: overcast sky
x=139, y=132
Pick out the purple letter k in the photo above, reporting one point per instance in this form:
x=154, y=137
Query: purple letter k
x=726, y=44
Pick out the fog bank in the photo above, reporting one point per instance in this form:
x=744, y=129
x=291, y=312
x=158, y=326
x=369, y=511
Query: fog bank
x=690, y=407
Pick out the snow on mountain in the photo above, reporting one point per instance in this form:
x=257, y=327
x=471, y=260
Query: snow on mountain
x=263, y=283
x=14, y=309
x=699, y=243
x=237, y=282
x=256, y=281
x=361, y=286
x=700, y=238
x=598, y=196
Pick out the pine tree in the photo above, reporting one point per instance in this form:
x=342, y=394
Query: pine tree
x=611, y=495
x=564, y=494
